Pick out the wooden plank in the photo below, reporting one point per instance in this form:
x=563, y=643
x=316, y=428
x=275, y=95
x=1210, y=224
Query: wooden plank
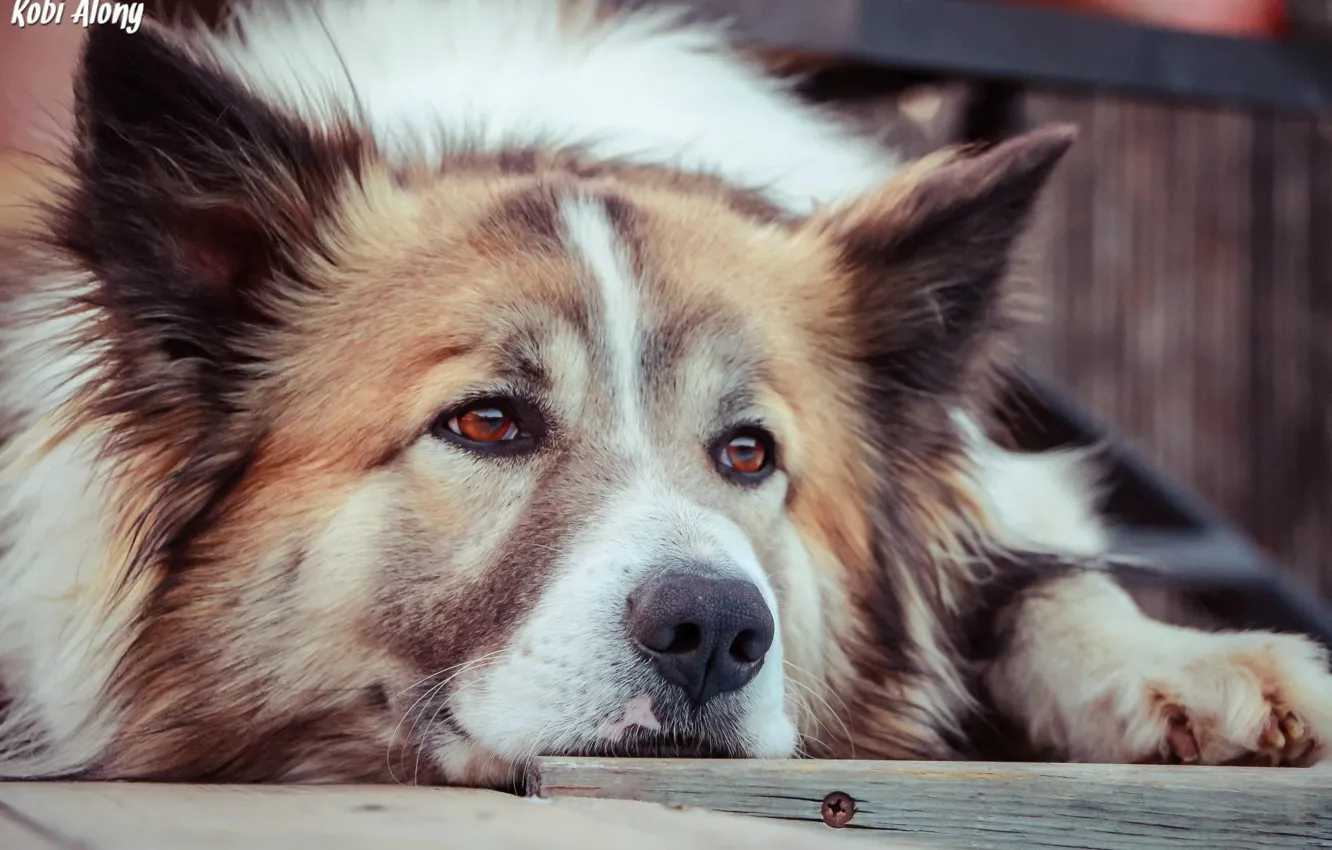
x=1219, y=221
x=132, y=816
x=956, y=804
x=18, y=833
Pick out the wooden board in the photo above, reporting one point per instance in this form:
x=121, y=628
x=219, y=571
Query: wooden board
x=896, y=806
x=17, y=832
x=128, y=816
x=964, y=805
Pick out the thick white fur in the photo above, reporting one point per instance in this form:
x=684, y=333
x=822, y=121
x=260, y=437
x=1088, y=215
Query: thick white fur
x=591, y=239
x=428, y=77
x=60, y=631
x=1038, y=502
x=1094, y=679
x=492, y=74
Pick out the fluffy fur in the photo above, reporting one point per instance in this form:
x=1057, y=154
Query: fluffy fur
x=239, y=541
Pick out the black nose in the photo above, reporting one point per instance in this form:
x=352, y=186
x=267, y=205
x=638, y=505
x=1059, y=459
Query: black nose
x=707, y=635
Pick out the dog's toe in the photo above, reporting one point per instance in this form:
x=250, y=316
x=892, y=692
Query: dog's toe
x=1259, y=701
x=1181, y=745
x=1300, y=747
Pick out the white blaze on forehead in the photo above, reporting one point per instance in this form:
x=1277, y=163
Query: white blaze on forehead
x=592, y=240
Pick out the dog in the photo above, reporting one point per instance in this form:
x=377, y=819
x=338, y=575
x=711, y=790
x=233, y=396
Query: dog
x=400, y=391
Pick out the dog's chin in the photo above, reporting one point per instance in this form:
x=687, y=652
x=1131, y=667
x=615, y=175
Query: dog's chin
x=466, y=761
x=721, y=734
x=660, y=745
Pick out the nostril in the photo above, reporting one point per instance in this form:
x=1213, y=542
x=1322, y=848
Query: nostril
x=687, y=638
x=748, y=647
x=675, y=639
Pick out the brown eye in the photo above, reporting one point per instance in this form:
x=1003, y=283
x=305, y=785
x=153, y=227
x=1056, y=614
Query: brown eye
x=484, y=425
x=746, y=456
x=493, y=426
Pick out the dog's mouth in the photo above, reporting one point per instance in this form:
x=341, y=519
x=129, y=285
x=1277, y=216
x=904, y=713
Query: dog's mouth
x=650, y=724
x=517, y=776
x=710, y=740
x=662, y=725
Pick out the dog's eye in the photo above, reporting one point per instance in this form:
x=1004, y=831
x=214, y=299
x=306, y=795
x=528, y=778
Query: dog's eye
x=484, y=425
x=495, y=426
x=746, y=456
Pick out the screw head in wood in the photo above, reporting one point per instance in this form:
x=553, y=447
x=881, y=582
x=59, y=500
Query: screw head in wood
x=838, y=809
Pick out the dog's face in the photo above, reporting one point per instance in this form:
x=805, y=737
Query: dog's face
x=535, y=443
x=527, y=467
x=508, y=457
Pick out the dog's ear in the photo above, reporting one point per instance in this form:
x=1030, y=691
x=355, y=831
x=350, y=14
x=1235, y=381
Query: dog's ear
x=193, y=206
x=926, y=256
x=191, y=195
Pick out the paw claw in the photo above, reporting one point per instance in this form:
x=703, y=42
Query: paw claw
x=1272, y=738
x=1258, y=719
x=1180, y=740
x=1291, y=725
x=1251, y=699
x=1301, y=747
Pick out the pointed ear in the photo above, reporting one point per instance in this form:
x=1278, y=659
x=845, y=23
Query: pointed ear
x=927, y=255
x=190, y=192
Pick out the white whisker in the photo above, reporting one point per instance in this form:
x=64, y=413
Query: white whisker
x=453, y=672
x=846, y=731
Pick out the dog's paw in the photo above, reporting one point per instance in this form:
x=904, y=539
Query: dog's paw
x=1089, y=678
x=1252, y=698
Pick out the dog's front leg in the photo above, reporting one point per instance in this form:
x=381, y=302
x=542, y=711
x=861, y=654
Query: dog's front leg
x=1091, y=678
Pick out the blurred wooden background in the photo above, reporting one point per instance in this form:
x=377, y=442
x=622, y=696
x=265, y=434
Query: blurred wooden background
x=1187, y=258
